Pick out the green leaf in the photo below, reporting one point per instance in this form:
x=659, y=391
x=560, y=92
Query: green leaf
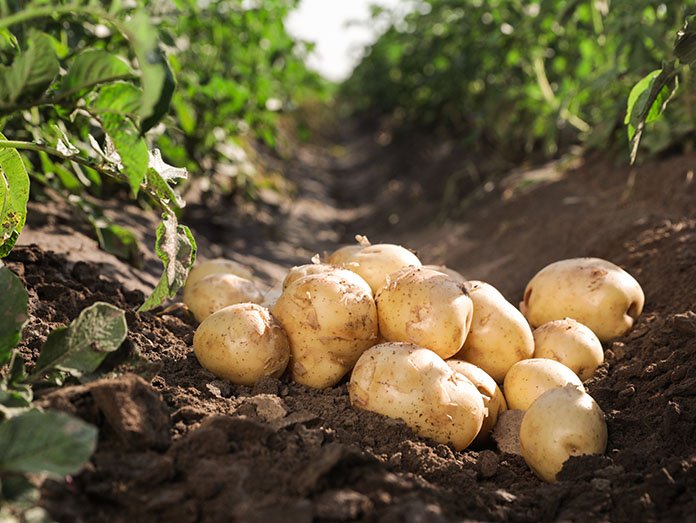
x=158, y=178
x=81, y=347
x=119, y=97
x=31, y=73
x=45, y=442
x=13, y=313
x=93, y=67
x=157, y=79
x=119, y=241
x=131, y=149
x=176, y=248
x=685, y=44
x=14, y=195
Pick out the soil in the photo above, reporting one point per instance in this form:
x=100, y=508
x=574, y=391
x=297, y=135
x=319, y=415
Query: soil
x=177, y=444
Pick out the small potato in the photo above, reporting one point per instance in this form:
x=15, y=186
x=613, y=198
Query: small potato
x=343, y=254
x=500, y=335
x=493, y=399
x=301, y=271
x=571, y=343
x=375, y=262
x=242, y=343
x=449, y=272
x=330, y=319
x=529, y=379
x=561, y=423
x=215, y=291
x=217, y=266
x=426, y=308
x=593, y=291
x=414, y=384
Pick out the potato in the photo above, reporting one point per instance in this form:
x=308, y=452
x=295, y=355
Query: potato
x=403, y=381
x=562, y=422
x=305, y=270
x=528, y=379
x=593, y=291
x=343, y=254
x=571, y=343
x=272, y=295
x=426, y=308
x=493, y=399
x=449, y=272
x=242, y=343
x=375, y=262
x=215, y=291
x=217, y=266
x=499, y=336
x=330, y=319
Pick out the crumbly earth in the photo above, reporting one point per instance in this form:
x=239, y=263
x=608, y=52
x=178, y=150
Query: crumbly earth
x=177, y=444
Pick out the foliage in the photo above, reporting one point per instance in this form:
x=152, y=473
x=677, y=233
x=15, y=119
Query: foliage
x=517, y=76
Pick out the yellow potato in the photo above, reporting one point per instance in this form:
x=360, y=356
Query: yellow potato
x=215, y=291
x=493, y=399
x=403, y=381
x=330, y=319
x=375, y=262
x=529, y=379
x=449, y=272
x=593, y=291
x=217, y=266
x=426, y=308
x=343, y=254
x=571, y=343
x=561, y=423
x=242, y=343
x=499, y=336
x=301, y=271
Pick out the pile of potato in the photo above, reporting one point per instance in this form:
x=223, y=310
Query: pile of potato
x=424, y=344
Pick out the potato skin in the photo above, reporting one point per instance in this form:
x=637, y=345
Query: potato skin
x=305, y=270
x=375, y=263
x=493, y=398
x=499, y=336
x=426, y=308
x=217, y=266
x=571, y=343
x=529, y=379
x=407, y=382
x=215, y=291
x=562, y=422
x=593, y=291
x=242, y=343
x=330, y=319
x=343, y=254
x=449, y=272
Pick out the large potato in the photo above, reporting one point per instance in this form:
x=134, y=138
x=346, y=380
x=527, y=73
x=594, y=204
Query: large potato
x=215, y=291
x=330, y=319
x=375, y=262
x=593, y=291
x=571, y=343
x=528, y=379
x=426, y=308
x=301, y=271
x=217, y=266
x=414, y=384
x=343, y=254
x=499, y=336
x=449, y=272
x=242, y=343
x=561, y=423
x=493, y=399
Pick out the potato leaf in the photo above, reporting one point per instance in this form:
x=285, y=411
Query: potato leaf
x=13, y=313
x=685, y=44
x=130, y=146
x=81, y=347
x=93, y=67
x=119, y=97
x=45, y=442
x=158, y=178
x=14, y=194
x=176, y=248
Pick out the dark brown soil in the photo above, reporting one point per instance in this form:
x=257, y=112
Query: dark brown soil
x=190, y=447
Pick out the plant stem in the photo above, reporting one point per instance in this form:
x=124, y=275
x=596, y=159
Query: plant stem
x=49, y=11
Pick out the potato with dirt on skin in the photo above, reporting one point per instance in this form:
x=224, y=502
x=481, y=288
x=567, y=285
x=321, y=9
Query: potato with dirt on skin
x=449, y=272
x=375, y=263
x=215, y=291
x=493, y=399
x=412, y=383
x=528, y=379
x=499, y=336
x=217, y=266
x=426, y=308
x=561, y=423
x=301, y=271
x=593, y=291
x=571, y=343
x=330, y=319
x=242, y=343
